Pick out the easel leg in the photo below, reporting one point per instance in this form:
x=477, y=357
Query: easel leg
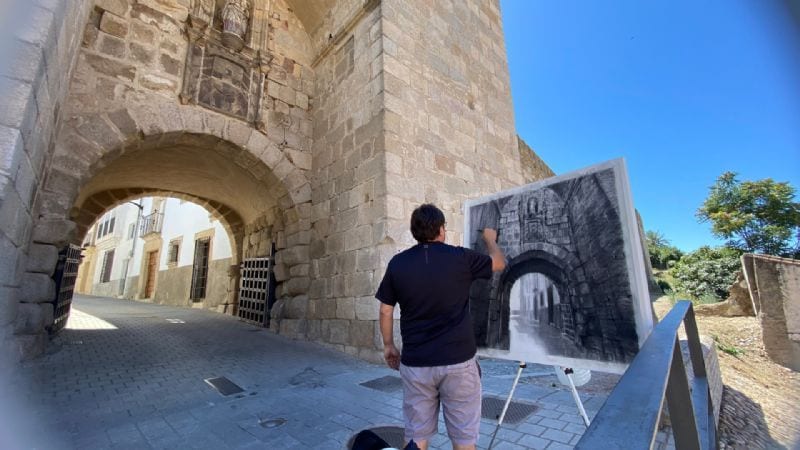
x=576, y=397
x=522, y=365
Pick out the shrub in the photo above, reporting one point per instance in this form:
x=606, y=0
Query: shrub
x=707, y=273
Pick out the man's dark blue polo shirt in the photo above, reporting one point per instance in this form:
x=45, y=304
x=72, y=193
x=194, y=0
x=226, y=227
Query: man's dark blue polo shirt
x=431, y=283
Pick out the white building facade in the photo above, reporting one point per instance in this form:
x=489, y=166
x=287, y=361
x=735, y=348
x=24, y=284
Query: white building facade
x=159, y=250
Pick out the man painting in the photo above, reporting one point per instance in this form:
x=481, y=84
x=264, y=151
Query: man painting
x=431, y=283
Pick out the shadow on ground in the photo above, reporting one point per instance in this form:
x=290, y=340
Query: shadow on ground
x=742, y=424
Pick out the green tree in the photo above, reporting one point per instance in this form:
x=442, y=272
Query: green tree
x=754, y=216
x=706, y=273
x=662, y=254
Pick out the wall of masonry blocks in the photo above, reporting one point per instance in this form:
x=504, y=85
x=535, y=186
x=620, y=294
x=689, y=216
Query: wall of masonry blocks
x=449, y=124
x=381, y=106
x=33, y=83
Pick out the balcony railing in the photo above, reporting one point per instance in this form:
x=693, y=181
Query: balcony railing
x=151, y=224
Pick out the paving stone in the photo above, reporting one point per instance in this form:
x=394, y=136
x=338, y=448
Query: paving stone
x=556, y=435
x=553, y=423
x=533, y=442
x=559, y=446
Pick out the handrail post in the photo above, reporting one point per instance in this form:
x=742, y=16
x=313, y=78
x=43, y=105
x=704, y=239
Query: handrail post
x=679, y=401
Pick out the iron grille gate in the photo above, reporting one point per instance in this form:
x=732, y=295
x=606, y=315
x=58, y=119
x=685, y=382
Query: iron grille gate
x=65, y=276
x=257, y=289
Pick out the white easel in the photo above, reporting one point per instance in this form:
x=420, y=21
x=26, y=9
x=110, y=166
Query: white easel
x=567, y=372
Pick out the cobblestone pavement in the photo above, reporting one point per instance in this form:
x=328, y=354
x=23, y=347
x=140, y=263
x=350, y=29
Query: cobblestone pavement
x=131, y=375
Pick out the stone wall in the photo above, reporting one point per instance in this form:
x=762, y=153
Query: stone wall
x=533, y=167
x=33, y=83
x=449, y=124
x=774, y=285
x=348, y=198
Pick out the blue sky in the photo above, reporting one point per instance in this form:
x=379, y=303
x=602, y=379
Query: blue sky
x=683, y=90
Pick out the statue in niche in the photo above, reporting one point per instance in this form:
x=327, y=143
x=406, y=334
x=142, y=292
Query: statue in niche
x=235, y=18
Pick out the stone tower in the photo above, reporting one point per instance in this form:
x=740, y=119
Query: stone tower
x=314, y=124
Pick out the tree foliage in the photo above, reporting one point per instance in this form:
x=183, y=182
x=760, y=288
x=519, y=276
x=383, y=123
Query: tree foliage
x=754, y=216
x=706, y=272
x=662, y=254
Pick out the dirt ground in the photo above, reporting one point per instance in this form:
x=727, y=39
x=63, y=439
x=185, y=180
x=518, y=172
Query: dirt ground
x=761, y=399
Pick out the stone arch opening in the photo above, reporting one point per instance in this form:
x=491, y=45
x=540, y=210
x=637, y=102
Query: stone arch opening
x=258, y=190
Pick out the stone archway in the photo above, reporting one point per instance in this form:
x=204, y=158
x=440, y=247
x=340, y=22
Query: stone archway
x=235, y=171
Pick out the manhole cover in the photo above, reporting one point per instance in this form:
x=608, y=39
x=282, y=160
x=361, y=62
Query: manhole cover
x=392, y=435
x=272, y=423
x=517, y=412
x=224, y=386
x=385, y=384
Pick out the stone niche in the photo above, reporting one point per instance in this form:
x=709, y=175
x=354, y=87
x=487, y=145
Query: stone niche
x=221, y=78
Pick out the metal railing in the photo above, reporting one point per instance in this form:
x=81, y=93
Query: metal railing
x=151, y=223
x=630, y=416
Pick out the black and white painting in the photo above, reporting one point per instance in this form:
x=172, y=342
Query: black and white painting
x=574, y=290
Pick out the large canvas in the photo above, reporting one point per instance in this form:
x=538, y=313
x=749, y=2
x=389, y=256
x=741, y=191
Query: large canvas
x=574, y=290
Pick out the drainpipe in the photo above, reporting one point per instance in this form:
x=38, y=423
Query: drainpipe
x=133, y=247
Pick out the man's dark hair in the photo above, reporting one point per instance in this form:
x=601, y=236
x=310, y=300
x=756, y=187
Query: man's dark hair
x=426, y=221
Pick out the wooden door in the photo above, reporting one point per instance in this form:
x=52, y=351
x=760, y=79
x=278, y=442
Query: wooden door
x=152, y=267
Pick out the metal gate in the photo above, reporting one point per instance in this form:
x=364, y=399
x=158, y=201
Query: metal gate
x=257, y=289
x=65, y=276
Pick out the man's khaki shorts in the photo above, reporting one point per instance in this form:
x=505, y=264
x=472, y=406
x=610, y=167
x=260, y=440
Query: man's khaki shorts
x=458, y=386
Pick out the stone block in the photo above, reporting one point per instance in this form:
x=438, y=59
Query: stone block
x=156, y=83
x=109, y=67
x=9, y=266
x=293, y=328
x=302, y=160
x=54, y=231
x=336, y=331
x=117, y=7
x=95, y=129
x=345, y=308
x=170, y=65
x=37, y=288
x=113, y=24
x=9, y=305
x=366, y=308
x=122, y=119
x=26, y=63
x=30, y=345
x=11, y=150
x=15, y=220
x=295, y=255
x=300, y=270
x=297, y=285
x=192, y=119
x=33, y=318
x=362, y=333
x=26, y=183
x=325, y=308
x=18, y=105
x=175, y=9
x=143, y=33
x=42, y=258
x=359, y=284
x=298, y=238
x=39, y=28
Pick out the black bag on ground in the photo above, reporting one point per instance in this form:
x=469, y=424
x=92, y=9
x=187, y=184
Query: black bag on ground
x=367, y=440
